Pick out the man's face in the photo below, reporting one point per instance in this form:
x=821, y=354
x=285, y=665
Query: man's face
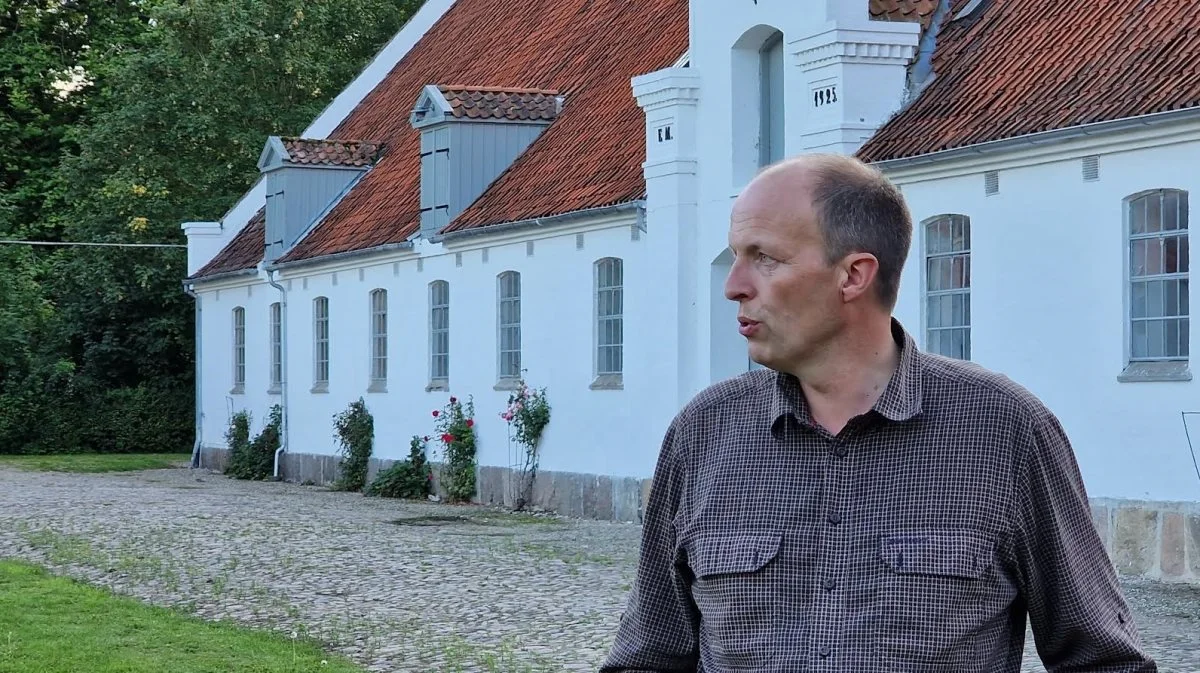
x=789, y=297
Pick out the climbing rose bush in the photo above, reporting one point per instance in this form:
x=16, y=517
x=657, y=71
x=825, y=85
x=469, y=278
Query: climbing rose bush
x=455, y=428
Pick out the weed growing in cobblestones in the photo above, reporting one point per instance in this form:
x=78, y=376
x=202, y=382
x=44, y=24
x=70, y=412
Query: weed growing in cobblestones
x=455, y=425
x=356, y=435
x=527, y=415
x=409, y=478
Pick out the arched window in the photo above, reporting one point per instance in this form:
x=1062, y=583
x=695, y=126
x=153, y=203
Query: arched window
x=770, y=86
x=610, y=326
x=379, y=339
x=757, y=95
x=508, y=297
x=239, y=350
x=275, y=323
x=439, y=333
x=1158, y=292
x=948, y=285
x=321, y=344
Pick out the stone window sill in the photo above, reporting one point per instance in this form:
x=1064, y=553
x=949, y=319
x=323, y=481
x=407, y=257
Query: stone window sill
x=377, y=387
x=275, y=390
x=506, y=384
x=440, y=385
x=1139, y=372
x=608, y=382
x=238, y=390
x=320, y=388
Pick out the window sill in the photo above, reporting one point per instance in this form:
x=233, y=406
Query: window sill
x=275, y=390
x=1145, y=372
x=507, y=384
x=320, y=388
x=377, y=387
x=439, y=385
x=238, y=390
x=608, y=382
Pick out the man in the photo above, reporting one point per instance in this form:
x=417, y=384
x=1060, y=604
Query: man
x=859, y=505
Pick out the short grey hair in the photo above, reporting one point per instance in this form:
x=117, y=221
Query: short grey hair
x=861, y=210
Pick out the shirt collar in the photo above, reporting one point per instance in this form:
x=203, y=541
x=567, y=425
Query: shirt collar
x=900, y=401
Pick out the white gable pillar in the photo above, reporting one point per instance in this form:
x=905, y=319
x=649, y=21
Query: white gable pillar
x=855, y=73
x=204, y=241
x=669, y=98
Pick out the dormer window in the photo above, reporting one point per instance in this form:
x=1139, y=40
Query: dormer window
x=315, y=173
x=469, y=136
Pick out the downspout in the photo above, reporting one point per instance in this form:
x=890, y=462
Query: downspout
x=283, y=368
x=198, y=348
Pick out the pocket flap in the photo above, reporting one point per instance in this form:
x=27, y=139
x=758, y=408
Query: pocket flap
x=947, y=553
x=737, y=552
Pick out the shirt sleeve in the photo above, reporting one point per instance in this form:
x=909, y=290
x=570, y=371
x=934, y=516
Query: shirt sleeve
x=658, y=630
x=1078, y=614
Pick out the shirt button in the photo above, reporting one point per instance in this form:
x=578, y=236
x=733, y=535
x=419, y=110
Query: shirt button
x=824, y=651
x=834, y=518
x=830, y=584
x=840, y=452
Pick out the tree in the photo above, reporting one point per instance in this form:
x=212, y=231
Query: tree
x=170, y=132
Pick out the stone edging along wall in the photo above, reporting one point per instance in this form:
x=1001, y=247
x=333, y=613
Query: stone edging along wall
x=1158, y=540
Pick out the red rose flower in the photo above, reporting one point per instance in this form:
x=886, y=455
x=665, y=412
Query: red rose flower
x=435, y=413
x=470, y=422
x=453, y=399
x=447, y=438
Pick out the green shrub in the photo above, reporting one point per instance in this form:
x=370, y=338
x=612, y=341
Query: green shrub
x=410, y=478
x=356, y=436
x=253, y=460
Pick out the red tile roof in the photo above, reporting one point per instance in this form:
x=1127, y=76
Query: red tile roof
x=245, y=251
x=498, y=103
x=903, y=10
x=330, y=152
x=1024, y=66
x=589, y=157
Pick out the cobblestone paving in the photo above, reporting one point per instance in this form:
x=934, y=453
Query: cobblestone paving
x=396, y=586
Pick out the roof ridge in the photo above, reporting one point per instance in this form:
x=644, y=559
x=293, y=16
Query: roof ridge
x=348, y=141
x=500, y=89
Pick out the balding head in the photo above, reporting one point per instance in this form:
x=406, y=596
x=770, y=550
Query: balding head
x=856, y=208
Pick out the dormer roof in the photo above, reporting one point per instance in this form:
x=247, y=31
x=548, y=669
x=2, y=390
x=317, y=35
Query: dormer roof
x=590, y=156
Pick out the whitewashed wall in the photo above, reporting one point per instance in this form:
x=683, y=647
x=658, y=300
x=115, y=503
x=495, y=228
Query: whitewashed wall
x=612, y=432
x=216, y=351
x=1048, y=257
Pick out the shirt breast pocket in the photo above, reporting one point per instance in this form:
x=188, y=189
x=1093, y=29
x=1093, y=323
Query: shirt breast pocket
x=736, y=590
x=937, y=595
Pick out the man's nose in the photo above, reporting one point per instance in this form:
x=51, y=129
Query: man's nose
x=736, y=287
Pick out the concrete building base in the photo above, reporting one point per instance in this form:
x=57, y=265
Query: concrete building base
x=1157, y=540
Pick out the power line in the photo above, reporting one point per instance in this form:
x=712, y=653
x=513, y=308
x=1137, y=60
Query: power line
x=96, y=245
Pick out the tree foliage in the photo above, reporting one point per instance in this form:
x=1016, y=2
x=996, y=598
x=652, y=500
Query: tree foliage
x=173, y=102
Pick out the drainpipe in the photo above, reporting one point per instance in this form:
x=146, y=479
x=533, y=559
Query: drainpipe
x=198, y=348
x=283, y=367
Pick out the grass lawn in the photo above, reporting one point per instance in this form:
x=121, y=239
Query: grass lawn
x=96, y=462
x=56, y=625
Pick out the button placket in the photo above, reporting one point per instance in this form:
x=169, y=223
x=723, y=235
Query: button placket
x=829, y=604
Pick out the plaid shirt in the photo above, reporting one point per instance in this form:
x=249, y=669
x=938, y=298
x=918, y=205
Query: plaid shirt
x=917, y=539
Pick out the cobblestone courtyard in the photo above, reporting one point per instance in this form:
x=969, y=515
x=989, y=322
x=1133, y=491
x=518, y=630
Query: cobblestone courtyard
x=396, y=586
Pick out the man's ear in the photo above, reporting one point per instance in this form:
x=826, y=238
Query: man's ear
x=859, y=271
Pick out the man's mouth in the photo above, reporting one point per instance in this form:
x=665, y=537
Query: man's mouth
x=747, y=327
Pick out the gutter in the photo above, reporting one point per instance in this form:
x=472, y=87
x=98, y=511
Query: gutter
x=283, y=369
x=199, y=407
x=338, y=256
x=221, y=276
x=638, y=205
x=1043, y=137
